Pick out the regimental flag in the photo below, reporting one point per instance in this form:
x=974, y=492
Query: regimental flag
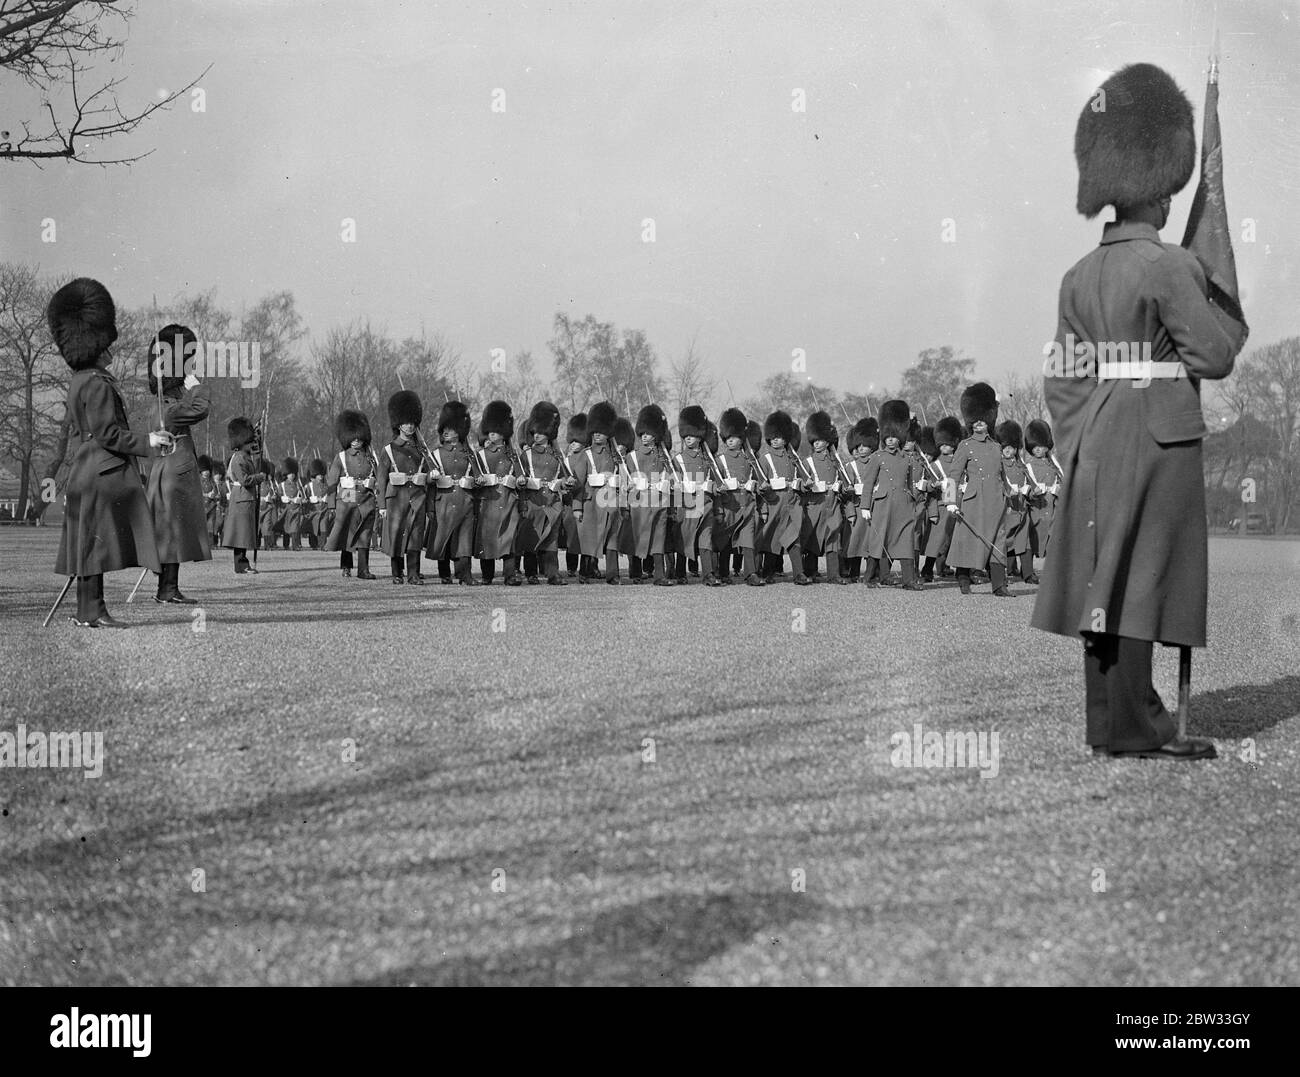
x=1208, y=234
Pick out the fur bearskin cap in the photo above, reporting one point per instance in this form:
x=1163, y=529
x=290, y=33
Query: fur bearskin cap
x=601, y=419
x=895, y=420
x=819, y=428
x=404, y=407
x=979, y=401
x=174, y=344
x=623, y=435
x=497, y=418
x=652, y=420
x=753, y=436
x=864, y=432
x=218, y=469
x=692, y=422
x=83, y=321
x=1009, y=433
x=265, y=465
x=949, y=432
x=1135, y=140
x=711, y=436
x=454, y=416
x=240, y=432
x=544, y=419
x=317, y=469
x=349, y=426
x=913, y=429
x=926, y=443
x=577, y=430
x=289, y=466
x=1038, y=433
x=780, y=425
x=205, y=462
x=732, y=424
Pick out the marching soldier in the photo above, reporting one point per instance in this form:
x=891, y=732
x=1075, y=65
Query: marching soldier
x=272, y=514
x=106, y=522
x=402, y=488
x=595, y=497
x=246, y=476
x=948, y=434
x=1016, y=548
x=737, y=497
x=451, y=531
x=222, y=482
x=498, y=495
x=890, y=490
x=860, y=450
x=650, y=491
x=547, y=480
x=784, y=529
x=210, y=488
x=980, y=533
x=174, y=489
x=291, y=501
x=575, y=561
x=352, y=478
x=823, y=500
x=694, y=523
x=1129, y=548
x=321, y=515
x=624, y=441
x=1045, y=485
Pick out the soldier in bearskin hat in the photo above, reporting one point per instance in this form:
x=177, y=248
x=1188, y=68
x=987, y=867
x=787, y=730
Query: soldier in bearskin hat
x=596, y=495
x=948, y=434
x=210, y=489
x=451, y=529
x=246, y=478
x=402, y=488
x=541, y=504
x=174, y=490
x=575, y=561
x=498, y=495
x=1129, y=547
x=291, y=499
x=650, y=473
x=352, y=478
x=624, y=441
x=860, y=446
x=106, y=522
x=272, y=514
x=222, y=482
x=693, y=525
x=823, y=498
x=1045, y=485
x=931, y=505
x=783, y=531
x=1016, y=547
x=318, y=519
x=889, y=494
x=736, y=532
x=980, y=532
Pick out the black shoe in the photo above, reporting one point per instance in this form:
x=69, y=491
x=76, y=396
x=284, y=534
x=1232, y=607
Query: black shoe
x=1002, y=592
x=417, y=580
x=514, y=581
x=177, y=599
x=712, y=581
x=471, y=582
x=755, y=580
x=533, y=581
x=842, y=580
x=947, y=573
x=1030, y=580
x=873, y=584
x=399, y=579
x=366, y=576
x=614, y=580
x=108, y=621
x=913, y=586
x=1177, y=749
x=445, y=579
x=663, y=581
x=927, y=577
x=583, y=579
x=555, y=581
x=251, y=569
x=347, y=572
x=81, y=624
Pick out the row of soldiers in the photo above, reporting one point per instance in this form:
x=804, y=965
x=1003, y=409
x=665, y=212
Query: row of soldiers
x=731, y=501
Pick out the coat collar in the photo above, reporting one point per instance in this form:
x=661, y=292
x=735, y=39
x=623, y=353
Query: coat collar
x=1122, y=231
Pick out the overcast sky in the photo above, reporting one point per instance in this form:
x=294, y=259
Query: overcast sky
x=774, y=229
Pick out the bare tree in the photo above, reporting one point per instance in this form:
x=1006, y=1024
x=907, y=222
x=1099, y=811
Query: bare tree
x=1021, y=399
x=592, y=363
x=691, y=382
x=937, y=380
x=51, y=46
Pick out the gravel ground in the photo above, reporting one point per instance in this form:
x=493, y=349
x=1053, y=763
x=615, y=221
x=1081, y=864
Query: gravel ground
x=451, y=786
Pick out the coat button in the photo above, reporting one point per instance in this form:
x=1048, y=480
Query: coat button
x=1089, y=523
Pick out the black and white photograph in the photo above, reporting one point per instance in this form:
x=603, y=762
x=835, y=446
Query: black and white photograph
x=370, y=371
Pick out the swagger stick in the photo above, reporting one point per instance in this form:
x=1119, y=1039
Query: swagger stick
x=143, y=573
x=57, y=603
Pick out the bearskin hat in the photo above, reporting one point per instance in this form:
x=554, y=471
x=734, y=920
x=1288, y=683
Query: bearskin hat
x=913, y=429
x=544, y=419
x=652, y=420
x=289, y=466
x=623, y=434
x=864, y=432
x=711, y=436
x=732, y=424
x=1135, y=140
x=83, y=321
x=1009, y=433
x=174, y=344
x=819, y=428
x=753, y=436
x=351, y=425
x=979, y=402
x=577, y=430
x=1038, y=433
x=780, y=425
x=265, y=465
x=692, y=422
x=601, y=419
x=218, y=469
x=926, y=443
x=949, y=432
x=454, y=416
x=205, y=462
x=404, y=407
x=317, y=469
x=240, y=432
x=895, y=420
x=497, y=418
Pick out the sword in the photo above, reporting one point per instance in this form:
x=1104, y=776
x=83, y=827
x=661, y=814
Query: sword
x=57, y=603
x=143, y=573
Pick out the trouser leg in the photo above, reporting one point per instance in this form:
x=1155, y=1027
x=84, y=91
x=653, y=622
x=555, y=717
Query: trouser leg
x=748, y=562
x=87, y=603
x=241, y=559
x=963, y=580
x=908, y=567
x=101, y=610
x=870, y=570
x=1124, y=711
x=509, y=567
x=487, y=568
x=530, y=564
x=832, y=567
x=997, y=576
x=611, y=564
x=413, y=565
x=659, y=567
x=463, y=569
x=444, y=568
x=571, y=561
x=398, y=567
x=345, y=559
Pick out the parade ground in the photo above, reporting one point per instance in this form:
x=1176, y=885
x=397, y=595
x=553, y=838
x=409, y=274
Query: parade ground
x=315, y=780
